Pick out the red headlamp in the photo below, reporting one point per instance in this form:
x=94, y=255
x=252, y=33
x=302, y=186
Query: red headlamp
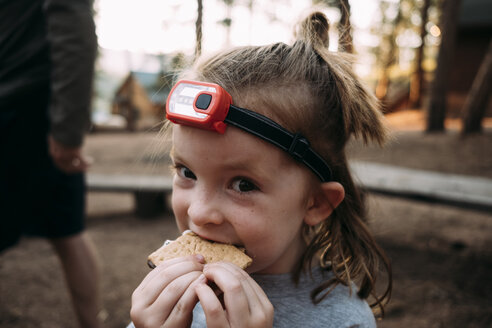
x=199, y=104
x=208, y=106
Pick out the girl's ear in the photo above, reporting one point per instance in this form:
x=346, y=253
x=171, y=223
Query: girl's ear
x=323, y=201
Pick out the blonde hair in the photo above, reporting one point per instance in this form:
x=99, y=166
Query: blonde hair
x=310, y=90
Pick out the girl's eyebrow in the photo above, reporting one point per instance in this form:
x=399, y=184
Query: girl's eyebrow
x=173, y=154
x=252, y=170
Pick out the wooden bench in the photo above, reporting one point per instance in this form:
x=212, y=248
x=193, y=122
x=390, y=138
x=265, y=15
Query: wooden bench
x=150, y=190
x=453, y=189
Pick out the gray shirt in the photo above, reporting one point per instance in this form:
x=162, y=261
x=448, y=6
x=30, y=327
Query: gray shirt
x=293, y=306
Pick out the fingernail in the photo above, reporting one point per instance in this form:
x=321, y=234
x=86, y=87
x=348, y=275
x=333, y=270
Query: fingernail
x=202, y=278
x=200, y=258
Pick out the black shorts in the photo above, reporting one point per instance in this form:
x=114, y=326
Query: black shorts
x=36, y=198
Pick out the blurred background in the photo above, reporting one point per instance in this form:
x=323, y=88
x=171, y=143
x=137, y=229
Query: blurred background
x=428, y=61
x=396, y=42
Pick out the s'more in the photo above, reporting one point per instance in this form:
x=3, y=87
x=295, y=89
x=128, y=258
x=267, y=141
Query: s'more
x=190, y=243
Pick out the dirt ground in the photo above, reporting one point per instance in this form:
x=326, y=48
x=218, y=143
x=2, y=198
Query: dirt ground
x=441, y=254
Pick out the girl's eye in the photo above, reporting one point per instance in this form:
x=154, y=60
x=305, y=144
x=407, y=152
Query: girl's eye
x=243, y=185
x=185, y=172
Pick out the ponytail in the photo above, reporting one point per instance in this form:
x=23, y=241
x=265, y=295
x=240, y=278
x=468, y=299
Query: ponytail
x=361, y=112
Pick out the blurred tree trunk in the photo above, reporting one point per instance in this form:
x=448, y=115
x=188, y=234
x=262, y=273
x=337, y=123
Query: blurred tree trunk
x=251, y=14
x=198, y=29
x=417, y=79
x=129, y=109
x=389, y=59
x=478, y=96
x=227, y=22
x=437, y=103
x=345, y=43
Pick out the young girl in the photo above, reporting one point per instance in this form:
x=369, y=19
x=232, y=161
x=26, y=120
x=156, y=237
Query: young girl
x=272, y=177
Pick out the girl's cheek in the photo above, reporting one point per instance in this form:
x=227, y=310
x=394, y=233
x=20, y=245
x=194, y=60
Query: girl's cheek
x=178, y=204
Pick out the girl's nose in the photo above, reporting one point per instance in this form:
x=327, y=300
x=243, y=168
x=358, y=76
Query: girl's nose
x=205, y=210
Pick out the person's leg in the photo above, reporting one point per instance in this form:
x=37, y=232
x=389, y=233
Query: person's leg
x=82, y=272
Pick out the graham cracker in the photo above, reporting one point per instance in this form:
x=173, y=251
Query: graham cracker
x=190, y=244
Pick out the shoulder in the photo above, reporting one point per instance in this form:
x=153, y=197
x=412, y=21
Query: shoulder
x=343, y=308
x=340, y=308
x=293, y=306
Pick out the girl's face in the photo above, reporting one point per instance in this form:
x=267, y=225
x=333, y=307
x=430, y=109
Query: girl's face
x=235, y=188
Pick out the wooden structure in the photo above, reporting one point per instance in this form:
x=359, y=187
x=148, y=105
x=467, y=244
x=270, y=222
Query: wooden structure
x=149, y=191
x=141, y=100
x=472, y=41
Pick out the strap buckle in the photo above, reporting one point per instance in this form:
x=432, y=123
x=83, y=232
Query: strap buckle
x=298, y=147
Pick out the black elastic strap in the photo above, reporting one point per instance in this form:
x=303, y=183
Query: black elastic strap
x=294, y=144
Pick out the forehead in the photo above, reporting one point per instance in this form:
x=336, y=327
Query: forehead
x=233, y=148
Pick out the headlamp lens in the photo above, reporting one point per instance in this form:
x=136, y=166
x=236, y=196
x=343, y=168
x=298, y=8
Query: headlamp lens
x=183, y=96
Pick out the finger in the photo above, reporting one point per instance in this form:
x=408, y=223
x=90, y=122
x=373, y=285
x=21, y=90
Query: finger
x=76, y=164
x=157, y=313
x=260, y=293
x=168, y=263
x=170, y=300
x=234, y=286
x=170, y=270
x=212, y=308
x=257, y=306
x=79, y=164
x=155, y=282
x=145, y=295
x=70, y=165
x=181, y=314
x=259, y=303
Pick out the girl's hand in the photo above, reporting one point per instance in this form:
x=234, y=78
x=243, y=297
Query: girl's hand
x=166, y=297
x=245, y=304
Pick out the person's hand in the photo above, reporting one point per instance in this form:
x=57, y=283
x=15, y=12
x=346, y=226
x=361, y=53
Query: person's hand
x=67, y=159
x=166, y=297
x=240, y=302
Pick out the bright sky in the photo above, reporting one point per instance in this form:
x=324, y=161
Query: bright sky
x=167, y=26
